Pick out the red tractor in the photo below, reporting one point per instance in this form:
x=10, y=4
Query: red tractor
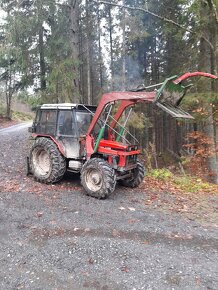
x=85, y=139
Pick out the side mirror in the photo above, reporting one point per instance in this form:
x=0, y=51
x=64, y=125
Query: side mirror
x=32, y=129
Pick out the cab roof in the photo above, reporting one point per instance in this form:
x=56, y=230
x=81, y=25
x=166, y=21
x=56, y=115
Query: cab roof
x=66, y=106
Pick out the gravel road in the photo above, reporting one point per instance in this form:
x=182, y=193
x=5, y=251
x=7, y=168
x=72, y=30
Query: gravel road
x=56, y=237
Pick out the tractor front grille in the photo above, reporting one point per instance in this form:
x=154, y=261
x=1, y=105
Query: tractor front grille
x=132, y=159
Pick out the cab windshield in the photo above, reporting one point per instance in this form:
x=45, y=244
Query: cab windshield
x=83, y=119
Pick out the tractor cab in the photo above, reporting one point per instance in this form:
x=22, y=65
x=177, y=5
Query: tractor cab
x=66, y=123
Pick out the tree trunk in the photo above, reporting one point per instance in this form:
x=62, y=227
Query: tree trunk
x=111, y=47
x=212, y=160
x=42, y=60
x=124, y=49
x=100, y=50
x=82, y=61
x=207, y=62
x=88, y=22
x=8, y=97
x=211, y=130
x=154, y=64
x=74, y=35
x=9, y=94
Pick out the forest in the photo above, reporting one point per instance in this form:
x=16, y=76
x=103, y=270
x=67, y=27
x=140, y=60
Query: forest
x=54, y=51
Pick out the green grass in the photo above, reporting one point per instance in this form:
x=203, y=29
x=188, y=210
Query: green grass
x=161, y=174
x=2, y=111
x=186, y=183
x=20, y=116
x=16, y=116
x=194, y=185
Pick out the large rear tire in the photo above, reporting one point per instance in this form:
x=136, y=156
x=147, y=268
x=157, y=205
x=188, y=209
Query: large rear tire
x=137, y=176
x=46, y=162
x=98, y=178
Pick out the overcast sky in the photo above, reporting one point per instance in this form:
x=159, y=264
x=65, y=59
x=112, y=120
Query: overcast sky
x=2, y=16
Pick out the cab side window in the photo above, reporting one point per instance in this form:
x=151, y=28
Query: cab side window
x=48, y=122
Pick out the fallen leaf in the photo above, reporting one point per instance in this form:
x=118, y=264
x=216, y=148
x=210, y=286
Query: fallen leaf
x=115, y=233
x=132, y=221
x=91, y=261
x=125, y=269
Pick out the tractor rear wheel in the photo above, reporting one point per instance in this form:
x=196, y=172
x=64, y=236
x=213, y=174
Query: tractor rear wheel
x=46, y=162
x=138, y=174
x=98, y=178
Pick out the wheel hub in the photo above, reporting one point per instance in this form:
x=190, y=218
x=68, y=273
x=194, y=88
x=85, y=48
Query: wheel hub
x=94, y=179
x=41, y=161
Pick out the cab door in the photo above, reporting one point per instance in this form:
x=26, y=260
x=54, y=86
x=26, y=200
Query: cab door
x=67, y=133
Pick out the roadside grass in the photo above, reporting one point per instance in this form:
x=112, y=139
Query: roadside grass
x=164, y=179
x=20, y=116
x=195, y=185
x=16, y=115
x=16, y=118
x=2, y=111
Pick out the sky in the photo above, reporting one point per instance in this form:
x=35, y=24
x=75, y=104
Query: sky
x=2, y=15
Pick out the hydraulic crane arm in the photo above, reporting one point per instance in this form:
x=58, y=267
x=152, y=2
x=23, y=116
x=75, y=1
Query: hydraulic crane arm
x=168, y=97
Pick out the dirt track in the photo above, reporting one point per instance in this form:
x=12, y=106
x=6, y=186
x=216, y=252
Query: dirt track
x=55, y=237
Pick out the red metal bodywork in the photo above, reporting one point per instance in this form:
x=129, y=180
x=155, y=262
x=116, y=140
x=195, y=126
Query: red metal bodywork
x=193, y=74
x=116, y=149
x=116, y=153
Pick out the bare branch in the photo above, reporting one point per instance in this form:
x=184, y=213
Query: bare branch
x=74, y=3
x=20, y=3
x=147, y=11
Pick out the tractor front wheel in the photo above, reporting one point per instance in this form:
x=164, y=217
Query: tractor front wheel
x=98, y=178
x=137, y=176
x=46, y=162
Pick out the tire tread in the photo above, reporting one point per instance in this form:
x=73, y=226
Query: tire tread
x=57, y=160
x=109, y=177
